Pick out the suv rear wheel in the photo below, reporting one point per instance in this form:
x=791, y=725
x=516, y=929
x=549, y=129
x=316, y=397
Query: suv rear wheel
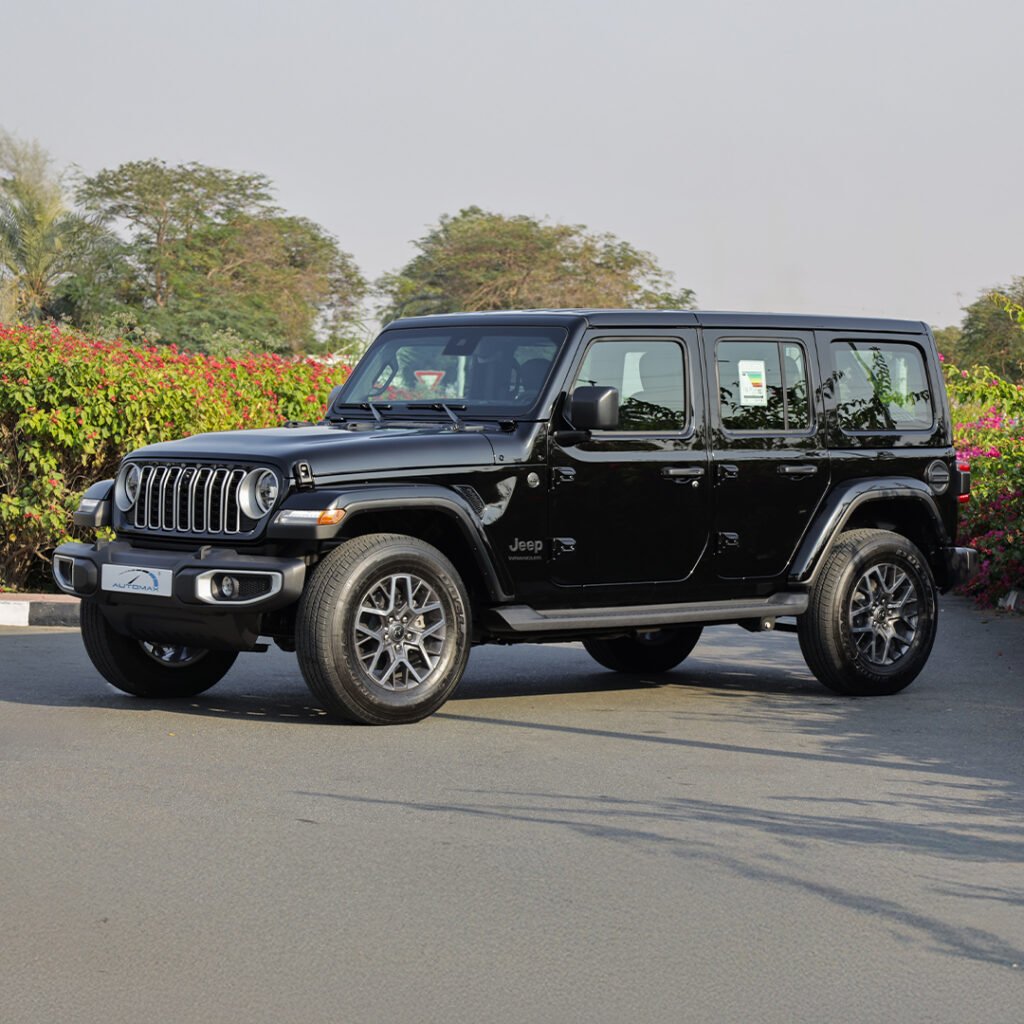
x=657, y=651
x=872, y=617
x=383, y=630
x=147, y=668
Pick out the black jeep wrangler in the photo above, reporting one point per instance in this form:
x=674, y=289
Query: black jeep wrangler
x=621, y=478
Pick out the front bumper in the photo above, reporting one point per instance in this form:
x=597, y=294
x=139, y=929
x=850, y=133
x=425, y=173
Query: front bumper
x=192, y=613
x=961, y=565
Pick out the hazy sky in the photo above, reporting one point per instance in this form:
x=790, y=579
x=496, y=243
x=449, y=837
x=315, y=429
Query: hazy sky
x=841, y=157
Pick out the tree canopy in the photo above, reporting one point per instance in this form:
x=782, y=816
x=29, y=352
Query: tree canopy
x=477, y=260
x=209, y=256
x=992, y=331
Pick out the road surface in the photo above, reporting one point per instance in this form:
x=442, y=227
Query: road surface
x=725, y=843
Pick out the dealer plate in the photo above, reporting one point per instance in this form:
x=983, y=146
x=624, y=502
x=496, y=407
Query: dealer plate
x=137, y=579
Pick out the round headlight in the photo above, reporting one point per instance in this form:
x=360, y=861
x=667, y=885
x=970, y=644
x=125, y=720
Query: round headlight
x=266, y=490
x=258, y=493
x=126, y=491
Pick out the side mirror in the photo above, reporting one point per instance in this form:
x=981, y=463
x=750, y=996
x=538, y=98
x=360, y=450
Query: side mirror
x=593, y=408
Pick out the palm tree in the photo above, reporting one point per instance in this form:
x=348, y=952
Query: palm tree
x=40, y=237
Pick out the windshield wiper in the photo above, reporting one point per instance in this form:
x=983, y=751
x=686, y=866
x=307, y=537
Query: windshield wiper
x=374, y=408
x=446, y=406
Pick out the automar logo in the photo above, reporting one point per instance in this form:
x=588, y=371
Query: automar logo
x=136, y=581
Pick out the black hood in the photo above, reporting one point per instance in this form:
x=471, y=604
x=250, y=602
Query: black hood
x=333, y=451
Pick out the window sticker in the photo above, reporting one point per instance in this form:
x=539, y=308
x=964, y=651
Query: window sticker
x=752, y=382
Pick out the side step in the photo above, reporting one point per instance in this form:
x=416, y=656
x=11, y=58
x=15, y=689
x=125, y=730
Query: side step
x=521, y=618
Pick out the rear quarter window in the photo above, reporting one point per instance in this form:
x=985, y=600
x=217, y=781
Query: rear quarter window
x=880, y=386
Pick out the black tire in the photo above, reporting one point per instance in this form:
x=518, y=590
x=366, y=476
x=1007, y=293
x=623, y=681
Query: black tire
x=143, y=669
x=872, y=617
x=658, y=651
x=365, y=664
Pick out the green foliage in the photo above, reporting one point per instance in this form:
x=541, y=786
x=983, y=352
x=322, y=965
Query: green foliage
x=42, y=241
x=947, y=340
x=71, y=407
x=477, y=260
x=209, y=253
x=992, y=331
x=988, y=414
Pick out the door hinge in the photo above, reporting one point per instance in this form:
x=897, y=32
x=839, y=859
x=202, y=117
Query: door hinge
x=728, y=471
x=562, y=475
x=562, y=546
x=728, y=540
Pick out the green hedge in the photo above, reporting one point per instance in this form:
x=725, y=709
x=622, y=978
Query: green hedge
x=71, y=406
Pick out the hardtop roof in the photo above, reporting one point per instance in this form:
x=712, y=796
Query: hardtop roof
x=661, y=318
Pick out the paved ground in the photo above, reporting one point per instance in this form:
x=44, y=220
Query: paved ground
x=558, y=844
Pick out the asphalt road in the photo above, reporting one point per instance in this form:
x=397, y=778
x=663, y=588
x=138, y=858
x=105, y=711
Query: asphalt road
x=727, y=843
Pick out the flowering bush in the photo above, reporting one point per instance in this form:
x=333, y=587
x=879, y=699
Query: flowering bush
x=71, y=406
x=988, y=428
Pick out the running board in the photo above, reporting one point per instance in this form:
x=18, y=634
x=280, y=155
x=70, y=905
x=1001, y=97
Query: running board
x=521, y=618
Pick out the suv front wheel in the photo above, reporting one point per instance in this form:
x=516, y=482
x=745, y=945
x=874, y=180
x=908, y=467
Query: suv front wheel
x=383, y=630
x=872, y=616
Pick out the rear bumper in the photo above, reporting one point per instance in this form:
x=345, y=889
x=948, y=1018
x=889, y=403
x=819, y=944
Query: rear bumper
x=961, y=565
x=192, y=613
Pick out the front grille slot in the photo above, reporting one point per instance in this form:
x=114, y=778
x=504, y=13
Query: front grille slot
x=190, y=499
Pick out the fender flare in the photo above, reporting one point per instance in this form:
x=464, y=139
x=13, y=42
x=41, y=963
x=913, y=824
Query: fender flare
x=362, y=499
x=95, y=506
x=841, y=505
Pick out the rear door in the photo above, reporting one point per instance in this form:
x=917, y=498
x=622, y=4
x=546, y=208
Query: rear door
x=631, y=506
x=770, y=464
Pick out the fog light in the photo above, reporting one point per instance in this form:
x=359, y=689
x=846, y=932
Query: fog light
x=228, y=586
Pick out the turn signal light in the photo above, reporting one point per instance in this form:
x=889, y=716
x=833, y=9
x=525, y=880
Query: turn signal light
x=331, y=517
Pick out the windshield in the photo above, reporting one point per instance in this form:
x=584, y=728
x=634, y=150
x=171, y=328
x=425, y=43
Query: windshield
x=485, y=369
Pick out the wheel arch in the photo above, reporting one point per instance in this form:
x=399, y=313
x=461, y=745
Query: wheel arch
x=901, y=505
x=431, y=513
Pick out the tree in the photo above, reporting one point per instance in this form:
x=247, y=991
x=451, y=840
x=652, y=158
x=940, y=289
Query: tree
x=214, y=259
x=947, y=340
x=477, y=260
x=992, y=333
x=42, y=241
x=164, y=206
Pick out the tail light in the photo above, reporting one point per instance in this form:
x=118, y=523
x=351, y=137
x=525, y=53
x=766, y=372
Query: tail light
x=964, y=484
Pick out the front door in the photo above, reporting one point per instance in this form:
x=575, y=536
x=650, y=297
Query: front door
x=770, y=463
x=631, y=506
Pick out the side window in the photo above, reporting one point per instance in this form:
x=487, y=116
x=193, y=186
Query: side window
x=650, y=376
x=763, y=385
x=880, y=385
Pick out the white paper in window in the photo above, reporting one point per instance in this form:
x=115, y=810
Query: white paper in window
x=753, y=382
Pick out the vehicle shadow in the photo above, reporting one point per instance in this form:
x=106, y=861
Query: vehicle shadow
x=667, y=827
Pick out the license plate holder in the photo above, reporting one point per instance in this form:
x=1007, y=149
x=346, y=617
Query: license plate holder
x=137, y=579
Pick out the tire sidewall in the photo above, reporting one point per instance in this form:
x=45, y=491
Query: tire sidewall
x=402, y=705
x=670, y=648
x=878, y=551
x=123, y=662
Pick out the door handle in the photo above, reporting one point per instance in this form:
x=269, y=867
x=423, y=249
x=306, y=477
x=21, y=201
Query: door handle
x=683, y=471
x=802, y=470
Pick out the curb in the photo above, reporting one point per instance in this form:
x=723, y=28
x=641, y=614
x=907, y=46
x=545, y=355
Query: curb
x=38, y=610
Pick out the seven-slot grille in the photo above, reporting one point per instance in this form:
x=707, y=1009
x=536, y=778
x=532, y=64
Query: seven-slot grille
x=189, y=499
